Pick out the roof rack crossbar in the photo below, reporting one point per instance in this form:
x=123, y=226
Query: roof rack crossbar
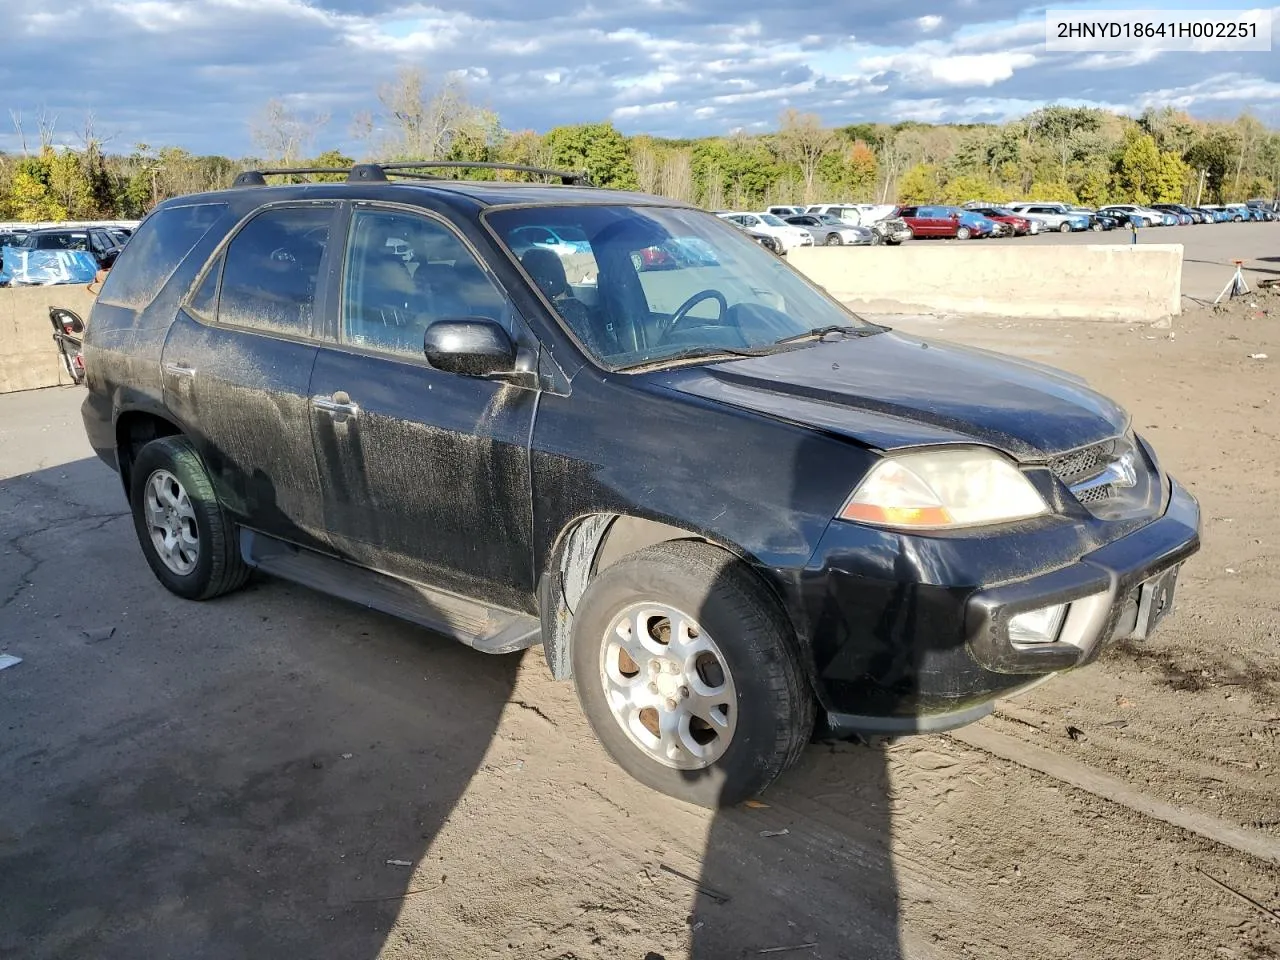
x=567, y=177
x=408, y=168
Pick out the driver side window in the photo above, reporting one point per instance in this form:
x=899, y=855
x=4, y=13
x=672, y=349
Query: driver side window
x=403, y=273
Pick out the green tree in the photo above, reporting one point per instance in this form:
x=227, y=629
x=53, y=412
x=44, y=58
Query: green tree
x=1051, y=191
x=969, y=187
x=1215, y=153
x=1139, y=172
x=597, y=148
x=332, y=158
x=919, y=185
x=32, y=196
x=1170, y=184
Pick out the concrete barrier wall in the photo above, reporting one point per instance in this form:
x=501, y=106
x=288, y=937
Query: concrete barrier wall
x=1087, y=282
x=28, y=355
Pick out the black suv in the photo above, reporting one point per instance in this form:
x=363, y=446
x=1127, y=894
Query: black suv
x=738, y=515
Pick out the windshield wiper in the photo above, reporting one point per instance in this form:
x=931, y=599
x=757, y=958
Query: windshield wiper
x=702, y=353
x=819, y=332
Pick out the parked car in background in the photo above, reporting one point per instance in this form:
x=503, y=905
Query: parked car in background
x=1185, y=213
x=1097, y=221
x=878, y=216
x=788, y=236
x=1054, y=216
x=1019, y=226
x=100, y=244
x=937, y=220
x=1214, y=215
x=1139, y=216
x=831, y=231
x=9, y=239
x=735, y=514
x=785, y=212
x=984, y=226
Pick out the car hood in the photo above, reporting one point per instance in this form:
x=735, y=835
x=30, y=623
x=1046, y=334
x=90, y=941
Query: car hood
x=890, y=391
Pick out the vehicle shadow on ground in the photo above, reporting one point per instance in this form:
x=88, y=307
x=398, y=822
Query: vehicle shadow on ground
x=265, y=774
x=260, y=775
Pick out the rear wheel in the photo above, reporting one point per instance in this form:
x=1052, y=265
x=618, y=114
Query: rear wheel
x=1096, y=227
x=186, y=536
x=686, y=669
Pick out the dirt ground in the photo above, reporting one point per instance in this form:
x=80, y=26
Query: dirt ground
x=280, y=774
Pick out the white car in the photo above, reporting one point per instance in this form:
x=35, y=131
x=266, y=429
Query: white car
x=766, y=224
x=1054, y=216
x=1149, y=217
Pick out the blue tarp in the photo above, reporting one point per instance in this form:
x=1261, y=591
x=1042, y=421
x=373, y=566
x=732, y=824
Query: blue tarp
x=23, y=267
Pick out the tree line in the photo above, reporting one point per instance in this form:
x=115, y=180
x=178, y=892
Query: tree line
x=1071, y=154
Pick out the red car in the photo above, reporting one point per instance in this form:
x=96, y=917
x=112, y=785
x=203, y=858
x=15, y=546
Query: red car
x=1021, y=225
x=936, y=221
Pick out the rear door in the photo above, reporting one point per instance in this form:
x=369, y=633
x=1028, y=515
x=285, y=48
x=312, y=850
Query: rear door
x=237, y=365
x=425, y=473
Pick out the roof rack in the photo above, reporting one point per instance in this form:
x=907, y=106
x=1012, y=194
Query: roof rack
x=375, y=172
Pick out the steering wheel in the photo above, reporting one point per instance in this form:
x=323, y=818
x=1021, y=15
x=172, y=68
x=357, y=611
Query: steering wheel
x=689, y=304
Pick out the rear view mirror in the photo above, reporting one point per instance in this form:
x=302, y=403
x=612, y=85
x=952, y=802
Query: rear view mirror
x=471, y=346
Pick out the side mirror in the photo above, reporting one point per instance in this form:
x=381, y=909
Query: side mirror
x=471, y=346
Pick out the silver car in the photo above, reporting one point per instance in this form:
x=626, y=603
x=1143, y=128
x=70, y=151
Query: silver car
x=831, y=231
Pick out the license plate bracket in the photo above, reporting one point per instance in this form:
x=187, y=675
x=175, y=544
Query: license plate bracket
x=1155, y=602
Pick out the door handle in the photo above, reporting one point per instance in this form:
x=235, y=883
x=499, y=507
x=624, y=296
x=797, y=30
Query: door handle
x=179, y=369
x=339, y=404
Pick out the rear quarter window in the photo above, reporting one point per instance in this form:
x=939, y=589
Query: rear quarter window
x=160, y=244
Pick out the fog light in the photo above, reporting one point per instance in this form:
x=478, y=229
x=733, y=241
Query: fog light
x=1037, y=626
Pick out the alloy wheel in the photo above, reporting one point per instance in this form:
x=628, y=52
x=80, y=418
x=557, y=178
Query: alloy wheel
x=171, y=521
x=668, y=686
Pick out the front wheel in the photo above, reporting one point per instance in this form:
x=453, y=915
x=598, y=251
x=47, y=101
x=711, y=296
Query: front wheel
x=185, y=534
x=1064, y=227
x=876, y=239
x=687, y=672
x=964, y=233
x=833, y=240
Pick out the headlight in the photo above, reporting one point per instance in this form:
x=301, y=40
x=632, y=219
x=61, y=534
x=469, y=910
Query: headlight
x=946, y=488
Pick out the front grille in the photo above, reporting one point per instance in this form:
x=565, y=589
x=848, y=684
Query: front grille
x=1082, y=464
x=1111, y=479
x=1096, y=494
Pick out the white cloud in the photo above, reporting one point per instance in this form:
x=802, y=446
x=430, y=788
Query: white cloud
x=198, y=69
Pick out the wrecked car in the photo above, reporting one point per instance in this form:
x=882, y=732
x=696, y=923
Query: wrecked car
x=736, y=515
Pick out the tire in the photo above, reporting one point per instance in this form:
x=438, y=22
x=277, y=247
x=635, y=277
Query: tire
x=1095, y=227
x=754, y=648
x=217, y=567
x=1064, y=227
x=876, y=239
x=833, y=240
x=963, y=233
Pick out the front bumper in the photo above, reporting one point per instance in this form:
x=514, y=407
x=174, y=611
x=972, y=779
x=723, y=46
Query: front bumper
x=898, y=646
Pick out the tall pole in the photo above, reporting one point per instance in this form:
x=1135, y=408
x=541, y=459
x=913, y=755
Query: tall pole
x=1201, y=189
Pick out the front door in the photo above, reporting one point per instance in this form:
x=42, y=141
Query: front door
x=425, y=473
x=237, y=366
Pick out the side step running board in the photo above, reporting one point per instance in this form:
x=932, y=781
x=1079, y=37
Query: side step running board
x=488, y=629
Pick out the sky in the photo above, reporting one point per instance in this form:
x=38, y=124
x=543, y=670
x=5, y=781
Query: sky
x=194, y=73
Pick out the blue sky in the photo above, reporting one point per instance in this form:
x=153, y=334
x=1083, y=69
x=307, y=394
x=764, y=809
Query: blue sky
x=193, y=73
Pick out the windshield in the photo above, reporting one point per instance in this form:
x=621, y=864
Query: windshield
x=658, y=283
x=771, y=220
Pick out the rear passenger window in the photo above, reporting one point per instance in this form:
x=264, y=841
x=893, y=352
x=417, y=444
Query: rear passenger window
x=403, y=273
x=154, y=252
x=271, y=270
